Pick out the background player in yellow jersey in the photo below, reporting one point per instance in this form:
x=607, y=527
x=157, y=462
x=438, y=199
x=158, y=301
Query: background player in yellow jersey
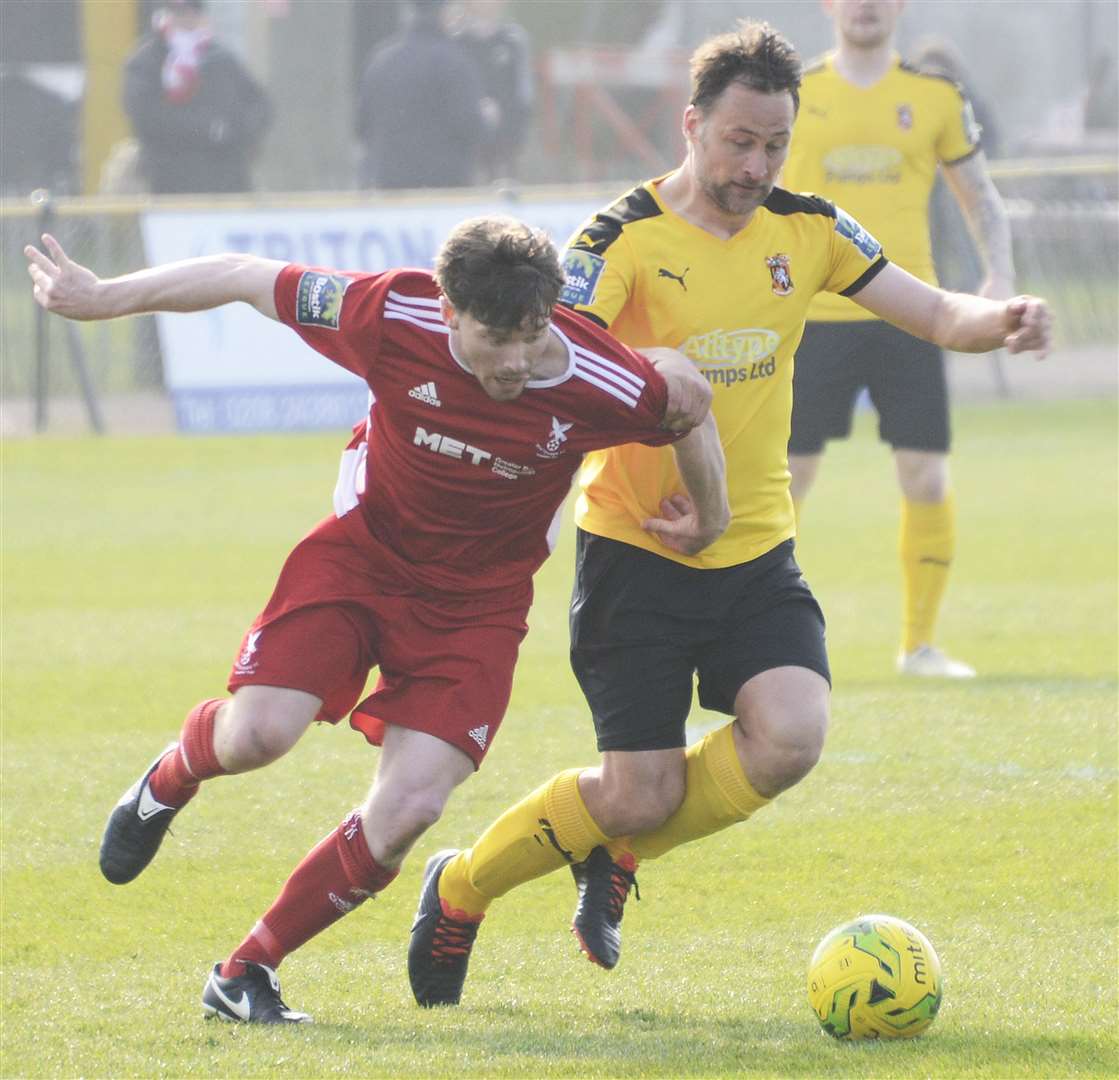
x=870, y=134
x=715, y=260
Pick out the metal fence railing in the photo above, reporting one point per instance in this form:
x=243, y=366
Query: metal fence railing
x=1065, y=217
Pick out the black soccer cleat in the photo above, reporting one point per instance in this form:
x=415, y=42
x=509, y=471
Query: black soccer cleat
x=603, y=889
x=135, y=829
x=440, y=947
x=252, y=998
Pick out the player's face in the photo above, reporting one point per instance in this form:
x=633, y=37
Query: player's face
x=738, y=146
x=865, y=23
x=503, y=361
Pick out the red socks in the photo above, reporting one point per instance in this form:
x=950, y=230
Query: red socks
x=176, y=778
x=335, y=876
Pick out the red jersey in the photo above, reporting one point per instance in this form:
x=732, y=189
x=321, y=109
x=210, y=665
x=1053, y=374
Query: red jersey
x=446, y=488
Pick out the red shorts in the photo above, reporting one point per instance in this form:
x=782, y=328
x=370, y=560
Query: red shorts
x=446, y=662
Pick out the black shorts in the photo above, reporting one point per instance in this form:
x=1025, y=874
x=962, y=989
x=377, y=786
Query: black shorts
x=905, y=377
x=643, y=626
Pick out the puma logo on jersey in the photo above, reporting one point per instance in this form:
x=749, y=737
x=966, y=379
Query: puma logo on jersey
x=427, y=394
x=678, y=278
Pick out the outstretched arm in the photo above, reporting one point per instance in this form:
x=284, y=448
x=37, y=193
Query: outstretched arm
x=957, y=321
x=70, y=289
x=691, y=522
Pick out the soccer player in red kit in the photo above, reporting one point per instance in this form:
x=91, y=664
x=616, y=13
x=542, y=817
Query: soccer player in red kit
x=484, y=398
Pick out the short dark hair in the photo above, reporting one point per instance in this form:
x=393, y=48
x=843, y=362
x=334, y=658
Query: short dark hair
x=501, y=272
x=754, y=55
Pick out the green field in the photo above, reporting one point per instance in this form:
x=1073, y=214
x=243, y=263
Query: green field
x=985, y=813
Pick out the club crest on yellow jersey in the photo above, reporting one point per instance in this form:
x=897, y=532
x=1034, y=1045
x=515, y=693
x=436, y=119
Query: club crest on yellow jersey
x=779, y=271
x=905, y=117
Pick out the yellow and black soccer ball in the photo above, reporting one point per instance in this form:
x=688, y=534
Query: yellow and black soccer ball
x=875, y=978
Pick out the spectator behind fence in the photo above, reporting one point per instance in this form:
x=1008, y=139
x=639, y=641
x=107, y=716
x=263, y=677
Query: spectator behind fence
x=198, y=114
x=39, y=122
x=420, y=115
x=503, y=54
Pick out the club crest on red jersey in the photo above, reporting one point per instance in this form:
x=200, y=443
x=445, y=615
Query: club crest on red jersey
x=779, y=272
x=247, y=660
x=553, y=446
x=905, y=117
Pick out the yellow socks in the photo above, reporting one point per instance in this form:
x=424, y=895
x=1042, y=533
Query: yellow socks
x=552, y=827
x=717, y=795
x=548, y=829
x=926, y=543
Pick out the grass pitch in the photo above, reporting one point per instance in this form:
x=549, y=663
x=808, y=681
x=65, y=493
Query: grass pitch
x=984, y=813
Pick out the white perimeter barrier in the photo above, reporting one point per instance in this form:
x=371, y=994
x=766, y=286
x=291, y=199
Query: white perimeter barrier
x=229, y=369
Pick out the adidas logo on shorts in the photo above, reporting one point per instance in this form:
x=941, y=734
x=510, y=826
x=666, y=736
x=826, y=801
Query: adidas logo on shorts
x=427, y=394
x=479, y=734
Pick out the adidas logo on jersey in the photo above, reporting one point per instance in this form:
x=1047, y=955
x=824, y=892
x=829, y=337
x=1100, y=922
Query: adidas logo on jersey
x=479, y=734
x=427, y=394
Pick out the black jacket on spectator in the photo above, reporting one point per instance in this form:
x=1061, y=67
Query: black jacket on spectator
x=419, y=112
x=202, y=145
x=504, y=60
x=40, y=133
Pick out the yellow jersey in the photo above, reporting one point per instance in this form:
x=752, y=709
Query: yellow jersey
x=736, y=307
x=874, y=151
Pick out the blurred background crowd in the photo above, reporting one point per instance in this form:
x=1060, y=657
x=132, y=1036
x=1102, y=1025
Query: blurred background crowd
x=129, y=110
x=199, y=96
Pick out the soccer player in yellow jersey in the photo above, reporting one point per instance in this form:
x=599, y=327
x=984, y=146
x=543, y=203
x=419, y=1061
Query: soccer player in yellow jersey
x=870, y=134
x=715, y=260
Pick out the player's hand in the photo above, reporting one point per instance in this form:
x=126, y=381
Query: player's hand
x=62, y=285
x=679, y=527
x=1029, y=326
x=689, y=393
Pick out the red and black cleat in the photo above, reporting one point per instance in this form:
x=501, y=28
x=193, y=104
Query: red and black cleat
x=604, y=887
x=439, y=951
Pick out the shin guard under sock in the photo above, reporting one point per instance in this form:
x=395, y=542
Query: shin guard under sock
x=717, y=795
x=176, y=778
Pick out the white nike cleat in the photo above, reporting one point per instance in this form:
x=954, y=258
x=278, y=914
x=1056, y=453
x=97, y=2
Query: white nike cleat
x=252, y=998
x=930, y=662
